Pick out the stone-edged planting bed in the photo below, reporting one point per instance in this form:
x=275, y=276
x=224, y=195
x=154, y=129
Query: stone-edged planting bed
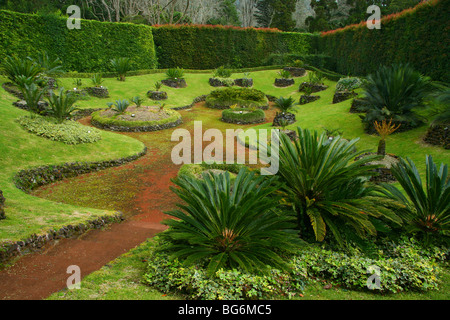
x=172, y=120
x=243, y=97
x=243, y=116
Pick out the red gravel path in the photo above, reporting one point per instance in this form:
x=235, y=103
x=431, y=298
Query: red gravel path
x=38, y=275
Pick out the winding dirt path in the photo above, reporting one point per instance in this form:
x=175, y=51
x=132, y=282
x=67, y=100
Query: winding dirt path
x=38, y=275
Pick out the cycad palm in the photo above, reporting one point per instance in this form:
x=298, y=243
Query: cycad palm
x=427, y=207
x=230, y=224
x=328, y=188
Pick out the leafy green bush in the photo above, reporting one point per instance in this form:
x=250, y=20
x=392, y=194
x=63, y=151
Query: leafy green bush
x=97, y=79
x=404, y=270
x=247, y=115
x=68, y=132
x=222, y=72
x=427, y=208
x=284, y=104
x=62, y=105
x=120, y=106
x=394, y=92
x=14, y=67
x=328, y=189
x=32, y=95
x=195, y=170
x=285, y=74
x=229, y=225
x=49, y=66
x=348, y=84
x=193, y=281
x=121, y=66
x=175, y=73
x=241, y=96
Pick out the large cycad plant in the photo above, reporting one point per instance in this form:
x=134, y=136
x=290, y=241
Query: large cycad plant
x=427, y=206
x=329, y=190
x=395, y=92
x=229, y=224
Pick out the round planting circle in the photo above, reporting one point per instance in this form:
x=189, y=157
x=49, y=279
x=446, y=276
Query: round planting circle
x=136, y=119
x=242, y=97
x=243, y=116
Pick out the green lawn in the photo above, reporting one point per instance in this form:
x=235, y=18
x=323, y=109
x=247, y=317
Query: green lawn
x=120, y=279
x=19, y=150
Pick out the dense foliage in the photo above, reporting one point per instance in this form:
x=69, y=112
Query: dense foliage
x=68, y=132
x=88, y=49
x=413, y=36
x=328, y=190
x=229, y=225
x=427, y=207
x=207, y=47
x=395, y=93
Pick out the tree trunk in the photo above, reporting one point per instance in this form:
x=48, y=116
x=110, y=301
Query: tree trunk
x=382, y=147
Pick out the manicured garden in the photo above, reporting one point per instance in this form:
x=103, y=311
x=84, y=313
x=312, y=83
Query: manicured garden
x=358, y=207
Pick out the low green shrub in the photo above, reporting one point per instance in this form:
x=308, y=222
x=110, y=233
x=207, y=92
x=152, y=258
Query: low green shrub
x=173, y=117
x=172, y=276
x=195, y=170
x=403, y=268
x=68, y=132
x=224, y=98
x=246, y=117
x=348, y=84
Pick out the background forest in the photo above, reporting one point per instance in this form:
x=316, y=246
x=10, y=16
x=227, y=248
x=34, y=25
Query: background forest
x=286, y=15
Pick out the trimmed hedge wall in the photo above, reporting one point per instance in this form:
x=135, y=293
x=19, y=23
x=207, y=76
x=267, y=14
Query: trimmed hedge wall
x=418, y=36
x=209, y=47
x=88, y=49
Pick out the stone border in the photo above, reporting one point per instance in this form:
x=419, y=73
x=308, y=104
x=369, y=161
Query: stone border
x=241, y=121
x=143, y=128
x=438, y=135
x=9, y=250
x=9, y=89
x=283, y=83
x=29, y=179
x=2, y=206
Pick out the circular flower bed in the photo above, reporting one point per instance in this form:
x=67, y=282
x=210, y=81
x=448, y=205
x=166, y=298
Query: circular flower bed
x=243, y=116
x=137, y=119
x=244, y=97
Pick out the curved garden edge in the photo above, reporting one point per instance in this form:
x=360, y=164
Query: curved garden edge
x=29, y=179
x=128, y=126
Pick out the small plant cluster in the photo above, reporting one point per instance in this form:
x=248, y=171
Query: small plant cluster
x=121, y=66
x=238, y=93
x=69, y=132
x=194, y=282
x=349, y=84
x=243, y=115
x=404, y=269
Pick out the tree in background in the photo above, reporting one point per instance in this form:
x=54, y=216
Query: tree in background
x=276, y=14
x=227, y=14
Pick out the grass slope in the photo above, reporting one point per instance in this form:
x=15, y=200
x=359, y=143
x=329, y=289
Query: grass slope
x=19, y=150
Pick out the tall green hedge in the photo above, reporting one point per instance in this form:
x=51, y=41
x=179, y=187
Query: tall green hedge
x=208, y=47
x=418, y=36
x=88, y=49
